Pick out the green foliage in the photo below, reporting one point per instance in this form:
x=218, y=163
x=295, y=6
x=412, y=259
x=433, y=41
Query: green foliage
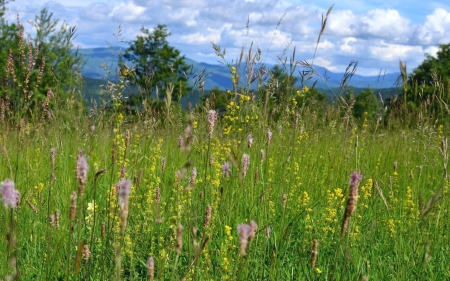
x=37, y=69
x=216, y=99
x=366, y=101
x=286, y=81
x=156, y=63
x=434, y=67
x=55, y=49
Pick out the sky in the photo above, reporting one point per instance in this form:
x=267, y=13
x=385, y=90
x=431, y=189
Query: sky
x=376, y=33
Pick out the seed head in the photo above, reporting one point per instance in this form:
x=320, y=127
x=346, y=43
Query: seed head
x=151, y=268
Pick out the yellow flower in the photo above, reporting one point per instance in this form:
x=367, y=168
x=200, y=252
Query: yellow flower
x=318, y=270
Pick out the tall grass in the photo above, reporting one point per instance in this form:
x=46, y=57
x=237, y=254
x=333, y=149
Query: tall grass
x=232, y=196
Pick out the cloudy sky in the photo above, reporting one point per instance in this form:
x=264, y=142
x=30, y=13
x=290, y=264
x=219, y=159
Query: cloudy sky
x=377, y=33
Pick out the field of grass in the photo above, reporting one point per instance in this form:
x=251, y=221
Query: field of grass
x=229, y=197
x=276, y=187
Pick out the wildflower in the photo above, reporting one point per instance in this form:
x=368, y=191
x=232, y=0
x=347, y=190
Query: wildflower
x=244, y=232
x=52, y=158
x=188, y=134
x=226, y=170
x=163, y=164
x=86, y=252
x=211, y=119
x=249, y=140
x=58, y=216
x=52, y=220
x=73, y=205
x=179, y=239
x=151, y=268
x=314, y=253
x=245, y=164
x=280, y=128
x=10, y=195
x=351, y=202
x=82, y=171
x=193, y=176
x=207, y=218
x=268, y=232
x=263, y=156
x=269, y=136
x=254, y=228
x=124, y=192
x=180, y=142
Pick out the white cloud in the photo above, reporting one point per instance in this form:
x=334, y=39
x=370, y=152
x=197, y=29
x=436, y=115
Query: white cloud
x=129, y=12
x=202, y=38
x=348, y=45
x=393, y=52
x=436, y=29
x=325, y=63
x=387, y=24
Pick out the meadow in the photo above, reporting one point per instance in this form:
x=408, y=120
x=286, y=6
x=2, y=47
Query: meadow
x=223, y=197
x=293, y=190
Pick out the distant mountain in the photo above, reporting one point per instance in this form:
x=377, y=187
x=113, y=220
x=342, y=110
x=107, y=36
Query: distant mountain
x=102, y=60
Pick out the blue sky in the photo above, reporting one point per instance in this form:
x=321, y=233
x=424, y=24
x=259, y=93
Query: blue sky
x=376, y=33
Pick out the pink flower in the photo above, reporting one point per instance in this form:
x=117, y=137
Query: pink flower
x=124, y=191
x=226, y=170
x=245, y=164
x=211, y=119
x=355, y=179
x=82, y=172
x=250, y=140
x=269, y=136
x=9, y=194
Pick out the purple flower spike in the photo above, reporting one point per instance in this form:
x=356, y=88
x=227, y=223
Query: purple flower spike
x=9, y=194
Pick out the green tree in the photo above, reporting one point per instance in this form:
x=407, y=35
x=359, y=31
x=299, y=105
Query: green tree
x=55, y=53
x=156, y=63
x=286, y=82
x=366, y=101
x=426, y=90
x=440, y=65
x=33, y=68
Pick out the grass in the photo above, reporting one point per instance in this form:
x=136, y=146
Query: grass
x=296, y=194
x=206, y=203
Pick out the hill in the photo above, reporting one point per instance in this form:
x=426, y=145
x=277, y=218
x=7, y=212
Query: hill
x=218, y=75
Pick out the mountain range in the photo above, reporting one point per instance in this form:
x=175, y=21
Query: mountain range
x=102, y=64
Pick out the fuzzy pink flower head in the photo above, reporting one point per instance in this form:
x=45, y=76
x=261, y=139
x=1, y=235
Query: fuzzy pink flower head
x=82, y=169
x=124, y=190
x=355, y=179
x=245, y=164
x=226, y=169
x=269, y=136
x=244, y=231
x=211, y=117
x=250, y=140
x=9, y=194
